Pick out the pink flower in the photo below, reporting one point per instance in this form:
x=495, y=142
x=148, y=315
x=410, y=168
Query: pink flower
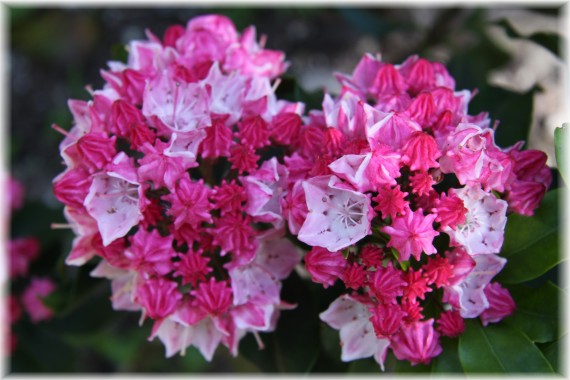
x=284, y=128
x=218, y=140
x=387, y=283
x=421, y=183
x=294, y=207
x=179, y=106
x=368, y=171
x=226, y=93
x=417, y=342
x=357, y=337
x=278, y=255
x=253, y=131
x=265, y=189
x=213, y=297
x=412, y=234
x=243, y=158
x=92, y=151
x=450, y=211
x=192, y=267
x=72, y=186
x=252, y=59
x=115, y=200
x=190, y=203
x=450, y=324
x=353, y=276
x=417, y=285
x=324, y=266
x=386, y=319
x=162, y=170
x=438, y=270
x=233, y=233
x=422, y=75
x=337, y=217
x=391, y=202
x=420, y=152
x=22, y=252
x=371, y=256
x=310, y=139
x=468, y=295
x=391, y=129
x=413, y=311
x=254, y=283
x=126, y=120
x=150, y=253
x=484, y=226
x=501, y=304
x=422, y=110
x=229, y=197
x=471, y=154
x=15, y=194
x=524, y=197
x=32, y=298
x=158, y=296
x=461, y=264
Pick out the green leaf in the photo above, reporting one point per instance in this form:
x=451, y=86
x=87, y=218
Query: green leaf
x=448, y=360
x=531, y=243
x=548, y=40
x=498, y=348
x=551, y=352
x=561, y=150
x=537, y=311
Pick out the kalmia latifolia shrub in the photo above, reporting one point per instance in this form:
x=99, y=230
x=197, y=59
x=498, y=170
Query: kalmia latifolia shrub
x=195, y=187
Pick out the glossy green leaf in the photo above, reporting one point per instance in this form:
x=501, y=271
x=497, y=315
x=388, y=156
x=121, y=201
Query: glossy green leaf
x=548, y=40
x=561, y=150
x=499, y=348
x=448, y=360
x=537, y=313
x=552, y=351
x=531, y=243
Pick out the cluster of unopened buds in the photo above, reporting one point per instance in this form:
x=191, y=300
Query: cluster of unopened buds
x=22, y=252
x=199, y=191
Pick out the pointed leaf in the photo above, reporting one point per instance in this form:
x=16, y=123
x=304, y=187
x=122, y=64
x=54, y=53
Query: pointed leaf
x=561, y=149
x=531, y=243
x=537, y=311
x=552, y=352
x=448, y=360
x=498, y=348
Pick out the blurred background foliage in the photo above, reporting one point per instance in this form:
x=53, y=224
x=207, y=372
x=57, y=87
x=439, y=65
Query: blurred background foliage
x=55, y=52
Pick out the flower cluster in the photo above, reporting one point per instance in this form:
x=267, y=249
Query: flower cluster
x=22, y=252
x=185, y=172
x=403, y=196
x=166, y=185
